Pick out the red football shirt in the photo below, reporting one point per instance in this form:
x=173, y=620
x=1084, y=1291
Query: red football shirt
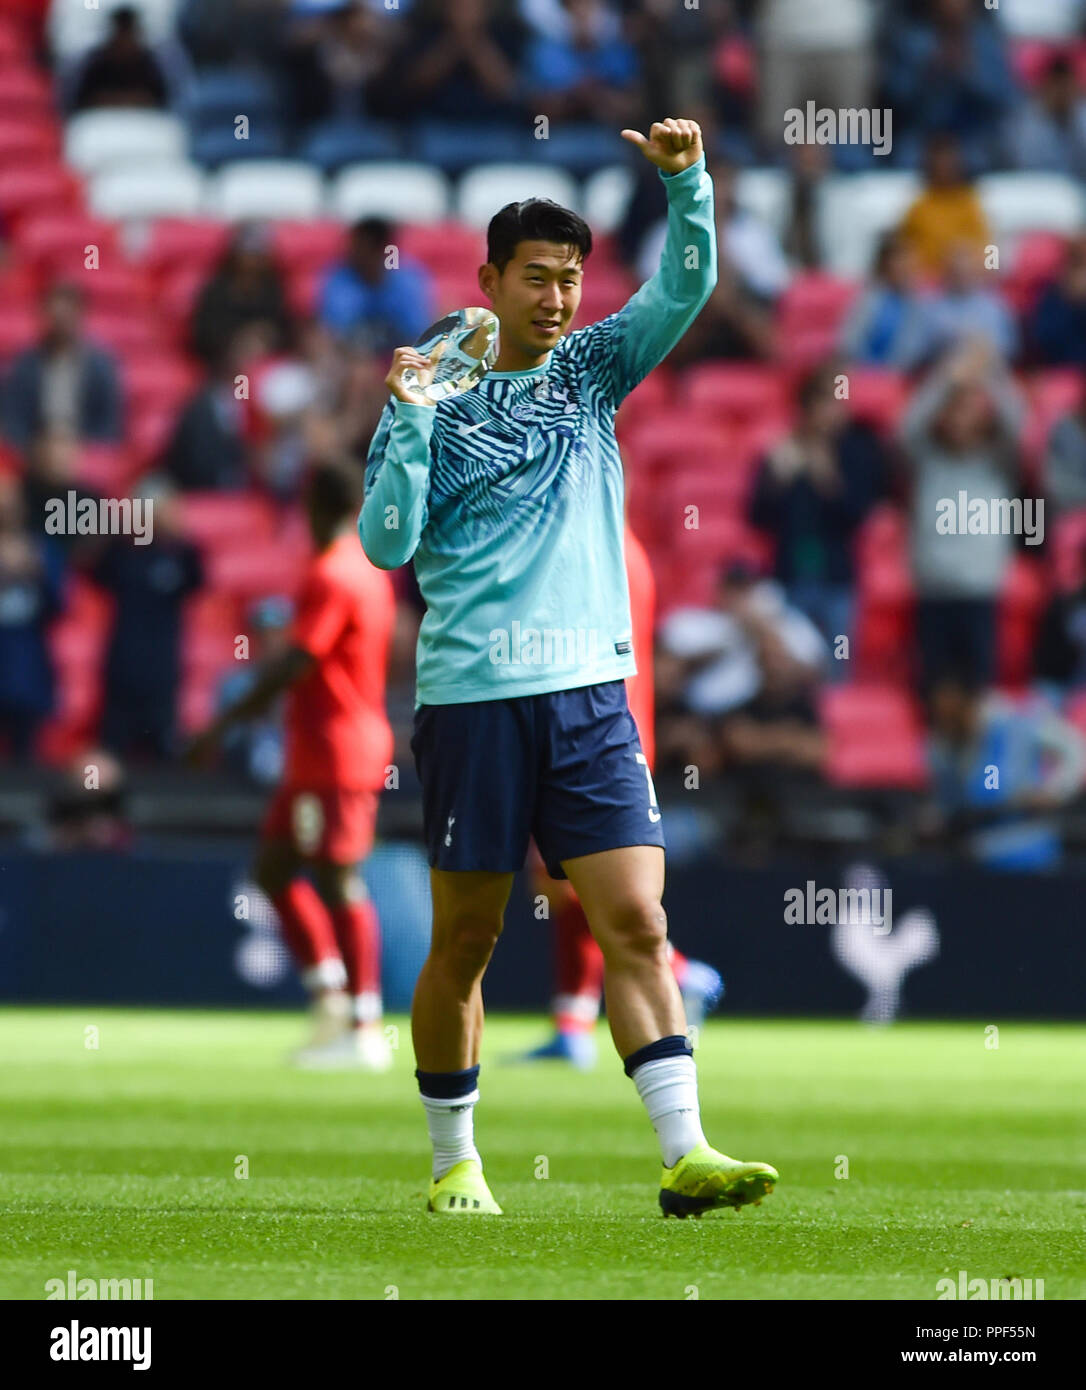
x=640, y=689
x=337, y=731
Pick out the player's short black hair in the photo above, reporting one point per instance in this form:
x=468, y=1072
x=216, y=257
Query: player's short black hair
x=335, y=490
x=535, y=219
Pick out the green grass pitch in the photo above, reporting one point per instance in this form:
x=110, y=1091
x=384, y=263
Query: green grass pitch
x=120, y=1162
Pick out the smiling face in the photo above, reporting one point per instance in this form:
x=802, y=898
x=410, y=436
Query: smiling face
x=535, y=299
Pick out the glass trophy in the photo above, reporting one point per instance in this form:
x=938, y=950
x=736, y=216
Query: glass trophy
x=462, y=348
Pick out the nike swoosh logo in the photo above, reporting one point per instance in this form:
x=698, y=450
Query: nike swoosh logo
x=470, y=429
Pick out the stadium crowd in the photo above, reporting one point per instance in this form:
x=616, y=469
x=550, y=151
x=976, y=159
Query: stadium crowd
x=785, y=465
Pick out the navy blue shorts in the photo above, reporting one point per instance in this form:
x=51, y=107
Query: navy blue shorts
x=565, y=767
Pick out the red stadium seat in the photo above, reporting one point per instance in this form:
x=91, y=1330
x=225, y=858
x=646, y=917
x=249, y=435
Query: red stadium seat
x=654, y=395
x=814, y=300
x=735, y=391
x=875, y=737
x=1069, y=549
x=38, y=188
x=14, y=49
x=1020, y=604
x=221, y=518
x=179, y=290
x=116, y=289
x=160, y=381
x=132, y=335
x=303, y=291
x=251, y=570
x=25, y=90
x=877, y=397
x=106, y=468
x=150, y=429
x=312, y=246
x=58, y=242
x=444, y=247
x=24, y=138
x=189, y=244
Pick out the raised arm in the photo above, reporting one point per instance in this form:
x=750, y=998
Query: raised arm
x=644, y=331
x=398, y=471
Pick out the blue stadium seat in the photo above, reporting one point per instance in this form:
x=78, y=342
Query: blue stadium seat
x=216, y=144
x=333, y=144
x=230, y=92
x=454, y=147
x=582, y=149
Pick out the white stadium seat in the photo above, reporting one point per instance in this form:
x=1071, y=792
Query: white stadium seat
x=273, y=188
x=148, y=190
x=402, y=191
x=766, y=194
x=75, y=25
x=1024, y=202
x=606, y=196
x=95, y=140
x=853, y=211
x=488, y=187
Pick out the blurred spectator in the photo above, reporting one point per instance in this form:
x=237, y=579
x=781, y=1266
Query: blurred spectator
x=1007, y=820
x=752, y=271
x=698, y=60
x=64, y=381
x=812, y=50
x=811, y=495
x=960, y=434
x=809, y=166
x=255, y=749
x=735, y=683
x=885, y=326
x=579, y=65
x=208, y=449
x=246, y=288
x=964, y=307
x=1065, y=461
x=331, y=57
x=947, y=212
x=373, y=307
x=1058, y=326
x=143, y=668
x=122, y=70
x=52, y=472
x=1060, y=658
x=89, y=812
x=1048, y=131
x=749, y=246
x=948, y=73
x=30, y=597
x=457, y=60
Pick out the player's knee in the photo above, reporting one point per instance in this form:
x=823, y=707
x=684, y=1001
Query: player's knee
x=638, y=928
x=465, y=944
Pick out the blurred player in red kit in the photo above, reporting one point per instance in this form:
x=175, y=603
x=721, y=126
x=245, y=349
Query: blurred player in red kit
x=578, y=960
x=339, y=745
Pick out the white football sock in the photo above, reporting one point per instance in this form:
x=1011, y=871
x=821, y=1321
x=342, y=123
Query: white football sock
x=669, y=1089
x=451, y=1126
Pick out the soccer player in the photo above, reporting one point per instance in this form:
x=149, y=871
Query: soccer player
x=338, y=747
x=578, y=960
x=509, y=497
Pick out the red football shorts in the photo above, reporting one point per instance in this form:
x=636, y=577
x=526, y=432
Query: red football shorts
x=335, y=825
